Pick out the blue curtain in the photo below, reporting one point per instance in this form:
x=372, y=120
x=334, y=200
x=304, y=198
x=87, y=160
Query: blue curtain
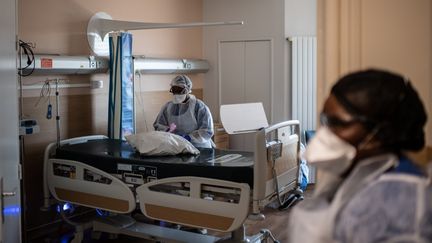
x=121, y=119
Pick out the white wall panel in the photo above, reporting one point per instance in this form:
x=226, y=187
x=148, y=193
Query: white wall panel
x=258, y=76
x=231, y=73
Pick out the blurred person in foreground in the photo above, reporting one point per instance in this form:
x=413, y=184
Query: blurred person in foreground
x=368, y=189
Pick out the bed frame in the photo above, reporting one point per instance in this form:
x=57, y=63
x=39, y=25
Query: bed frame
x=209, y=203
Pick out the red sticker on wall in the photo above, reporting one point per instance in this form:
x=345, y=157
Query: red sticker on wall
x=46, y=63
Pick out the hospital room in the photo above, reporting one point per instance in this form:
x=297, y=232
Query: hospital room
x=216, y=121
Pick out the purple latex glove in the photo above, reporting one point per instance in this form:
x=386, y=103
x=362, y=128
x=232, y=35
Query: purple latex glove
x=187, y=137
x=172, y=127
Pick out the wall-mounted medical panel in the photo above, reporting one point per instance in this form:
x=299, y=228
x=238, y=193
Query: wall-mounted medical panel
x=146, y=65
x=56, y=64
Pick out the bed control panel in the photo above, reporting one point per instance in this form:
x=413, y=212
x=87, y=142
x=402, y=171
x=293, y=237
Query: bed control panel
x=131, y=178
x=137, y=174
x=79, y=173
x=95, y=177
x=274, y=150
x=64, y=170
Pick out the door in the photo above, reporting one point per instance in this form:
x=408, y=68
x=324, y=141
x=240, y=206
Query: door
x=245, y=77
x=10, y=223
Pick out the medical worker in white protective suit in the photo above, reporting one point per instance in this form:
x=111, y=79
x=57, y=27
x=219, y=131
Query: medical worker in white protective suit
x=186, y=115
x=368, y=189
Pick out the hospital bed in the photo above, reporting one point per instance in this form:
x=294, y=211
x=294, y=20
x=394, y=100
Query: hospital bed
x=216, y=190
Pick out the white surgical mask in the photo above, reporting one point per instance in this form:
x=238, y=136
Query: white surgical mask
x=329, y=152
x=179, y=98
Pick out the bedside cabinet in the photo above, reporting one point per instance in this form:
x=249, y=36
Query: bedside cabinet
x=220, y=138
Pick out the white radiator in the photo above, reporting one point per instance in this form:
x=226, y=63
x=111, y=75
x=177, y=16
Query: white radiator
x=304, y=73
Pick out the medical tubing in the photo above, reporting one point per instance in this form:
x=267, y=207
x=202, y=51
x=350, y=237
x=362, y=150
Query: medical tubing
x=45, y=92
x=276, y=184
x=27, y=48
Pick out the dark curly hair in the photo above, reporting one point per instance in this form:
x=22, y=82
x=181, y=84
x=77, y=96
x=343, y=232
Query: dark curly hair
x=388, y=102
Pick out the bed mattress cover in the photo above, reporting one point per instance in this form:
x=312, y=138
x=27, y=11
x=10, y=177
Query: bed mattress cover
x=116, y=156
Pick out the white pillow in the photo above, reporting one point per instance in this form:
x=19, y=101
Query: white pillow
x=161, y=143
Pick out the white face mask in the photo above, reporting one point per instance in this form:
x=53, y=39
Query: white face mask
x=330, y=153
x=179, y=98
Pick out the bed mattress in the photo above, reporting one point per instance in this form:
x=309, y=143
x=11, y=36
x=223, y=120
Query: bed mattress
x=118, y=157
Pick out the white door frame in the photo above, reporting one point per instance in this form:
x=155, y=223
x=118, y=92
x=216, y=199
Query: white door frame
x=10, y=226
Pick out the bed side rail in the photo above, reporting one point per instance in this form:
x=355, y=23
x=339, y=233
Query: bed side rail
x=49, y=153
x=277, y=163
x=78, y=183
x=195, y=201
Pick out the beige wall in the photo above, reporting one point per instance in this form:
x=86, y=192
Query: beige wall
x=59, y=27
x=408, y=51
x=401, y=41
x=389, y=34
x=300, y=18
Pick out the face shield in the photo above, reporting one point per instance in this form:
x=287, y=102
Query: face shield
x=177, y=90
